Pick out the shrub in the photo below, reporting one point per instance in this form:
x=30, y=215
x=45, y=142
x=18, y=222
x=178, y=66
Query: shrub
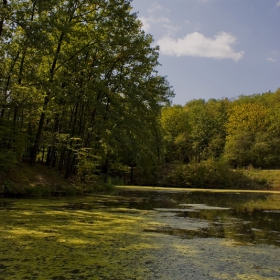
x=71, y=190
x=37, y=191
x=103, y=187
x=7, y=187
x=208, y=174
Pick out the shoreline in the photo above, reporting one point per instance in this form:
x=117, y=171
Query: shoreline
x=147, y=188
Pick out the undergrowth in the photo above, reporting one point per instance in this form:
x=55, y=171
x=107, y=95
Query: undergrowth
x=41, y=181
x=210, y=174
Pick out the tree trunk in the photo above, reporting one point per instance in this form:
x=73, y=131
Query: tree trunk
x=68, y=165
x=35, y=148
x=106, y=167
x=62, y=158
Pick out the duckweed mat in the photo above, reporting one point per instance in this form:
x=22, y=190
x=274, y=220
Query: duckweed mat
x=82, y=238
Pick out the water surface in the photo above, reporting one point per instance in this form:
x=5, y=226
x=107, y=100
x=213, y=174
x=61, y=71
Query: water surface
x=139, y=234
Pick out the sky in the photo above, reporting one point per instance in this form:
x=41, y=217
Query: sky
x=215, y=48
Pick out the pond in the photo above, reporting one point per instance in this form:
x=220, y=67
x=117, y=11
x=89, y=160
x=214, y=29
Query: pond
x=142, y=233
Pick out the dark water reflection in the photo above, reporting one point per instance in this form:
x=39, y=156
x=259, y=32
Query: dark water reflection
x=248, y=218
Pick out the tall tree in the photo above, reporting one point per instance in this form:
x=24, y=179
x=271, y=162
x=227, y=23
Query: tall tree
x=78, y=74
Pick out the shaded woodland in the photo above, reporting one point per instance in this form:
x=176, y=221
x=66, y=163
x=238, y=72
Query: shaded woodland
x=79, y=90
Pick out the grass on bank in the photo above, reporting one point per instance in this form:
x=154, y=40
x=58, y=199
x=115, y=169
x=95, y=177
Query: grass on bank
x=272, y=177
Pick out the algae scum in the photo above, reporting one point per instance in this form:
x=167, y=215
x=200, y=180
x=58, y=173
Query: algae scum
x=141, y=235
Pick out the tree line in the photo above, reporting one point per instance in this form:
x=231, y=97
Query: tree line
x=243, y=131
x=207, y=139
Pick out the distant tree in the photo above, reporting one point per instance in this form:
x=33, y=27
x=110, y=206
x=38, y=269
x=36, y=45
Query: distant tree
x=176, y=129
x=248, y=140
x=207, y=121
x=249, y=117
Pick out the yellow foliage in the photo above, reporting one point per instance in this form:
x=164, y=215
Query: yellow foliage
x=249, y=117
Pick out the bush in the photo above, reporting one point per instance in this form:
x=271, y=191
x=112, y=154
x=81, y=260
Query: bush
x=70, y=191
x=208, y=174
x=38, y=191
x=8, y=160
x=103, y=187
x=7, y=187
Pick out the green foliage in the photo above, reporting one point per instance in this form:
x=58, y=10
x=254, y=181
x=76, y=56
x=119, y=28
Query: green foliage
x=38, y=191
x=103, y=187
x=7, y=187
x=8, y=160
x=87, y=166
x=79, y=92
x=70, y=190
x=238, y=149
x=195, y=131
x=242, y=132
x=175, y=127
x=76, y=78
x=117, y=181
x=208, y=174
x=259, y=149
x=249, y=117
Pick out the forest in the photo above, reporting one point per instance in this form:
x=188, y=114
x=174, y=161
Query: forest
x=209, y=143
x=80, y=94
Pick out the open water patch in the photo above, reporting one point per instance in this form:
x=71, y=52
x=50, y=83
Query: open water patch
x=204, y=207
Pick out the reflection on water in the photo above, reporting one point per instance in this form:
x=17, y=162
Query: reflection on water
x=247, y=218
x=243, y=217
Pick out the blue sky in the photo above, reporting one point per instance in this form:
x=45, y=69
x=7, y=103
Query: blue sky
x=215, y=48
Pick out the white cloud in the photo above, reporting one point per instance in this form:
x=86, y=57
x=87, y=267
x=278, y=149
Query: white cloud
x=196, y=44
x=171, y=28
x=278, y=4
x=145, y=24
x=154, y=8
x=271, y=59
x=157, y=7
x=148, y=21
